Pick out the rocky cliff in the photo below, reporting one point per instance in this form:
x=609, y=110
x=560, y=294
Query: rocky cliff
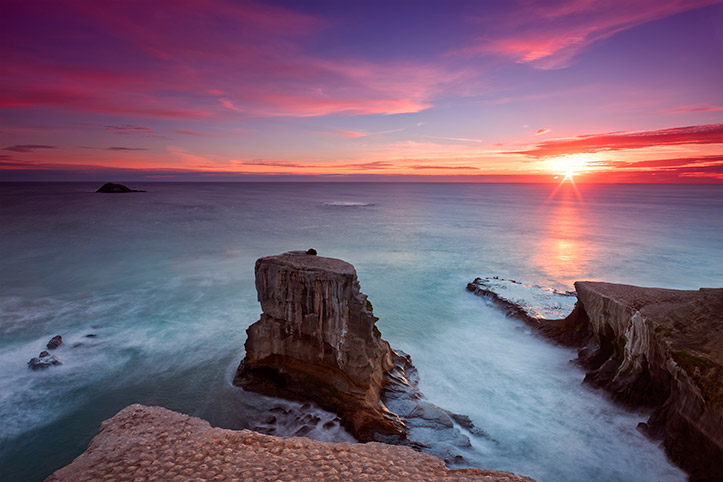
x=151, y=443
x=316, y=340
x=664, y=349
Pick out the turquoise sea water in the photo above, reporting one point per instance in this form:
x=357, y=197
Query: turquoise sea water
x=165, y=281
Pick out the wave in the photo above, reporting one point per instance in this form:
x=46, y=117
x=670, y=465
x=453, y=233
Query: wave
x=348, y=204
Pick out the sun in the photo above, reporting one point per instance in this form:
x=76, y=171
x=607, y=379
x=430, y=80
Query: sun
x=568, y=166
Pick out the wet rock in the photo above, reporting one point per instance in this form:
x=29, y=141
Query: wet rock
x=91, y=335
x=55, y=342
x=44, y=354
x=111, y=187
x=44, y=362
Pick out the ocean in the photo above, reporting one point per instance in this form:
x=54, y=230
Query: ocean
x=164, y=280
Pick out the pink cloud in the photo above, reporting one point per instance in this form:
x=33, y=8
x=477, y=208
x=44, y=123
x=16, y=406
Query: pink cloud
x=613, y=141
x=464, y=168
x=158, y=69
x=541, y=132
x=684, y=109
x=549, y=35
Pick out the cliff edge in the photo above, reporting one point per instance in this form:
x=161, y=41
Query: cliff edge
x=316, y=340
x=664, y=349
x=152, y=443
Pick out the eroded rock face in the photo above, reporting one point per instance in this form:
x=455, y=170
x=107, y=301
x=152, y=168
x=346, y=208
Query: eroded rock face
x=316, y=340
x=662, y=348
x=152, y=443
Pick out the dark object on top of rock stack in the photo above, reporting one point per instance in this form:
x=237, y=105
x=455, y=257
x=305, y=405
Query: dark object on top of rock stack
x=311, y=251
x=113, y=188
x=55, y=342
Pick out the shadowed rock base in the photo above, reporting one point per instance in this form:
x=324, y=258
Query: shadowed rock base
x=151, y=443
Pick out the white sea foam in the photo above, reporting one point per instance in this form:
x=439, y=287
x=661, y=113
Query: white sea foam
x=348, y=204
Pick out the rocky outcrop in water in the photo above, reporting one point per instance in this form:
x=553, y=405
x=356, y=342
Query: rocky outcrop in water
x=649, y=347
x=317, y=341
x=55, y=342
x=111, y=187
x=662, y=348
x=44, y=360
x=152, y=443
x=543, y=309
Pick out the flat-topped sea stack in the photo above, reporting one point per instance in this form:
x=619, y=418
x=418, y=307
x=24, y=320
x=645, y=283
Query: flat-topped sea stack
x=661, y=348
x=316, y=340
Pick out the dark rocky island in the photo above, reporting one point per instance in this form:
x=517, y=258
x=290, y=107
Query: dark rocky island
x=111, y=187
x=651, y=347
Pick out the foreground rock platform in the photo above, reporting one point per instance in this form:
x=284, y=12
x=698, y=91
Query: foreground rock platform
x=155, y=444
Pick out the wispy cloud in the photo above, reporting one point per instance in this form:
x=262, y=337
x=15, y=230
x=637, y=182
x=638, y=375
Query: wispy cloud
x=685, y=109
x=27, y=147
x=613, y=141
x=129, y=129
x=461, y=139
x=443, y=168
x=549, y=35
x=541, y=132
x=114, y=148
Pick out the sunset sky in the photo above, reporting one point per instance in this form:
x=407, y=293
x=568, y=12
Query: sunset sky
x=523, y=90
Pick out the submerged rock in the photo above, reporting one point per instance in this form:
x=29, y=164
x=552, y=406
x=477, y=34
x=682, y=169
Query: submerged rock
x=55, y=342
x=44, y=360
x=153, y=443
x=115, y=188
x=317, y=340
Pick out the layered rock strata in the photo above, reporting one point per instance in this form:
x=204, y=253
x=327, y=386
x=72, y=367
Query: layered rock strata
x=151, y=443
x=649, y=347
x=317, y=341
x=661, y=348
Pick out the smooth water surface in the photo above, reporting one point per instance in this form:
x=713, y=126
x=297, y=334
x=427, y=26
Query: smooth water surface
x=165, y=281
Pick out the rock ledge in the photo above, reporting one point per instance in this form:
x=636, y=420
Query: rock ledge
x=152, y=443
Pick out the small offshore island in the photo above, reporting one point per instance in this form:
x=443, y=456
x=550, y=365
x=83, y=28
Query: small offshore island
x=317, y=341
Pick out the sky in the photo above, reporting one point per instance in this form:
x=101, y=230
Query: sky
x=480, y=91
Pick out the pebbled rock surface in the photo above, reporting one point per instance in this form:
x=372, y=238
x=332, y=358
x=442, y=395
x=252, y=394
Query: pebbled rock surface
x=155, y=444
x=317, y=341
x=661, y=348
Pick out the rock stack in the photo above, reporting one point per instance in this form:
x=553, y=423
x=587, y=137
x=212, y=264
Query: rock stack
x=317, y=340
